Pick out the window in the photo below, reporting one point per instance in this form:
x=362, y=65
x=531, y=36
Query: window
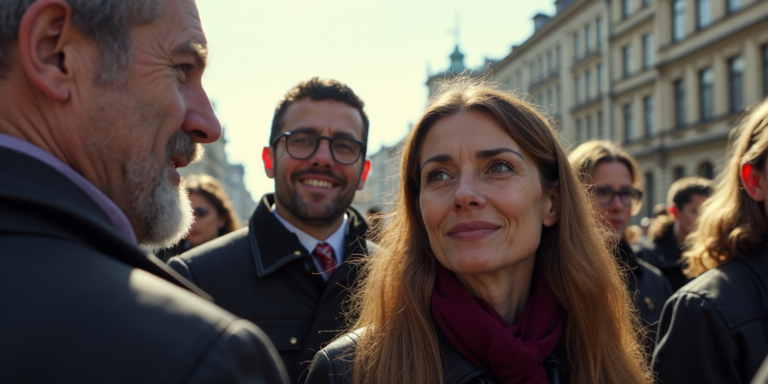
x=600, y=125
x=628, y=128
x=589, y=127
x=707, y=170
x=707, y=98
x=678, y=20
x=577, y=83
x=679, y=89
x=549, y=99
x=519, y=79
x=559, y=95
x=734, y=5
x=765, y=70
x=578, y=129
x=703, y=14
x=599, y=76
x=588, y=80
x=678, y=173
x=626, y=8
x=735, y=83
x=599, y=32
x=646, y=3
x=626, y=53
x=533, y=72
x=549, y=62
x=588, y=38
x=649, y=186
x=576, y=45
x=558, y=56
x=542, y=74
x=648, y=116
x=647, y=51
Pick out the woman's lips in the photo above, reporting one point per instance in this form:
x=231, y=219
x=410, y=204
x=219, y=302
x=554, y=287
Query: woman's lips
x=472, y=230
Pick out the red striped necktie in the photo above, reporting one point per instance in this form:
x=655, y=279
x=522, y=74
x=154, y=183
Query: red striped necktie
x=324, y=254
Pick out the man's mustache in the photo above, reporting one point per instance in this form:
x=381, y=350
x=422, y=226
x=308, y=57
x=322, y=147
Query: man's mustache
x=181, y=146
x=327, y=173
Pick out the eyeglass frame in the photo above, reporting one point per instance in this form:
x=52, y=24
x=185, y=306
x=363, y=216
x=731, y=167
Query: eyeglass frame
x=363, y=145
x=616, y=193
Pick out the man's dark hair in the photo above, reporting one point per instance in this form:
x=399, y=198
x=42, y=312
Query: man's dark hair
x=682, y=191
x=318, y=89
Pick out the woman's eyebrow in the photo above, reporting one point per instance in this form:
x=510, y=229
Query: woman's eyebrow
x=437, y=159
x=487, y=153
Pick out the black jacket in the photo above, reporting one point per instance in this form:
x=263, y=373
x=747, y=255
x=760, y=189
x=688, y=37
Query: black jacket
x=715, y=328
x=80, y=304
x=333, y=364
x=666, y=255
x=262, y=273
x=648, y=287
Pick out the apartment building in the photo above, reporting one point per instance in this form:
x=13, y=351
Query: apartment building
x=667, y=79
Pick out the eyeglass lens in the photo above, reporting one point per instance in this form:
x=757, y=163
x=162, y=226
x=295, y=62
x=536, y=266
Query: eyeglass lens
x=302, y=145
x=627, y=196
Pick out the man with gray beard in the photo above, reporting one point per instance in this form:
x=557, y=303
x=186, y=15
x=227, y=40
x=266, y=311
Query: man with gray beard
x=100, y=102
x=290, y=270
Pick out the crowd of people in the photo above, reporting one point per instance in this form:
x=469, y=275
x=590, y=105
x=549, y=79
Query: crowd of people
x=504, y=259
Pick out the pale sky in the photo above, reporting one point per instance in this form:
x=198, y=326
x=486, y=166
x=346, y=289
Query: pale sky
x=381, y=49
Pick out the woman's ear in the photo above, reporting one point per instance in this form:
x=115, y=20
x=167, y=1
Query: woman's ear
x=753, y=181
x=552, y=213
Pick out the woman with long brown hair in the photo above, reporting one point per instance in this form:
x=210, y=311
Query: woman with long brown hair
x=491, y=267
x=715, y=328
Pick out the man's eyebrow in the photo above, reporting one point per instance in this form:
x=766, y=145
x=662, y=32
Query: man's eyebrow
x=437, y=159
x=488, y=153
x=199, y=51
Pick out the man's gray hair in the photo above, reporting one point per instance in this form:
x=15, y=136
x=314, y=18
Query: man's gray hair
x=108, y=22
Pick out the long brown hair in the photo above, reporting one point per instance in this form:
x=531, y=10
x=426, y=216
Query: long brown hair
x=730, y=222
x=399, y=344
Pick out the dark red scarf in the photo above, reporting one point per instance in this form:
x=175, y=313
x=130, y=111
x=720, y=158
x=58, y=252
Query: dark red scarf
x=512, y=353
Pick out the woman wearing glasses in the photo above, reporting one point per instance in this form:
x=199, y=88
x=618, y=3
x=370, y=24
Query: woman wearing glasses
x=487, y=271
x=614, y=182
x=213, y=213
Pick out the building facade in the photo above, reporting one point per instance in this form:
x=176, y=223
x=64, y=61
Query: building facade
x=667, y=79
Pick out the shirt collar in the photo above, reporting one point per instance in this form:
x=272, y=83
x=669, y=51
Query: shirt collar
x=336, y=240
x=116, y=216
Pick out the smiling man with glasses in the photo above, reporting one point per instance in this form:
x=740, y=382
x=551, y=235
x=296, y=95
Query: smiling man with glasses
x=290, y=271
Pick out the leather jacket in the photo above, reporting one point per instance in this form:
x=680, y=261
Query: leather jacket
x=333, y=364
x=715, y=328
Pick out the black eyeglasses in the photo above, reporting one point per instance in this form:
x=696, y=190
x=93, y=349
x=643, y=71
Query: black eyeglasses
x=302, y=145
x=627, y=196
x=201, y=212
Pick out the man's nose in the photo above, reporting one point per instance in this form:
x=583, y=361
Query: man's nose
x=323, y=156
x=200, y=121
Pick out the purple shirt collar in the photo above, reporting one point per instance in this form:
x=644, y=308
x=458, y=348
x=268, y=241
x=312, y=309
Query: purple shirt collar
x=118, y=218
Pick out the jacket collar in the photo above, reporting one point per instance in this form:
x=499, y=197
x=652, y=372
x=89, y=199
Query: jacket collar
x=626, y=256
x=273, y=246
x=33, y=208
x=758, y=262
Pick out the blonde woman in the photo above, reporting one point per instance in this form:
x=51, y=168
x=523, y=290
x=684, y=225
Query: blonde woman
x=491, y=268
x=715, y=329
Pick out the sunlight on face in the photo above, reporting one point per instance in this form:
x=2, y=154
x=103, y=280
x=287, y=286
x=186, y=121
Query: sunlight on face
x=481, y=196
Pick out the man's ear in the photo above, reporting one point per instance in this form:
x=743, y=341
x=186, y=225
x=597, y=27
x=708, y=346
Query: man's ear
x=42, y=37
x=269, y=162
x=364, y=175
x=552, y=215
x=674, y=211
x=751, y=180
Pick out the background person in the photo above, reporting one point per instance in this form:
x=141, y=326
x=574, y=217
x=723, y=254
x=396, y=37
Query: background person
x=615, y=184
x=100, y=102
x=668, y=232
x=290, y=271
x=213, y=212
x=483, y=275
x=715, y=328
